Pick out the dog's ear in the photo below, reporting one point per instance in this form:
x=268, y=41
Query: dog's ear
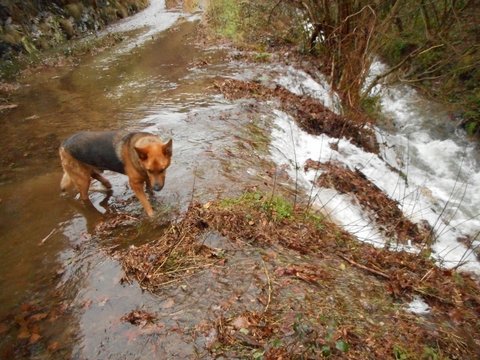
x=142, y=153
x=167, y=148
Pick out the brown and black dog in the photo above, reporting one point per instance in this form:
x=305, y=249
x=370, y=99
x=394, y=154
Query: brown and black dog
x=142, y=156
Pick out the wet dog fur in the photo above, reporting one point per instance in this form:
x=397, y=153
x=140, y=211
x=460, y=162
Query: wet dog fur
x=142, y=156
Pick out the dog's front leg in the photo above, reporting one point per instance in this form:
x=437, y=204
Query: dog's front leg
x=138, y=189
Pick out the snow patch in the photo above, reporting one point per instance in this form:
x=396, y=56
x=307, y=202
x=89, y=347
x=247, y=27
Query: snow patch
x=301, y=83
x=418, y=306
x=433, y=178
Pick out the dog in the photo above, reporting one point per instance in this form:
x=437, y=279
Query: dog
x=142, y=156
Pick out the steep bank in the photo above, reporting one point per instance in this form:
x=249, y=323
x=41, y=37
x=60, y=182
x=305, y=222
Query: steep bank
x=430, y=46
x=29, y=27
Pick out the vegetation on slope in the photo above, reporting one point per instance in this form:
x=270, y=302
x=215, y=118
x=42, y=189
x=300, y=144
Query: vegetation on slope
x=430, y=45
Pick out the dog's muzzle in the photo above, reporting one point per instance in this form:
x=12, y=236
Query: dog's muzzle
x=157, y=187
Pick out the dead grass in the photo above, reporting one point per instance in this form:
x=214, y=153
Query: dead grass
x=310, y=114
x=174, y=256
x=384, y=210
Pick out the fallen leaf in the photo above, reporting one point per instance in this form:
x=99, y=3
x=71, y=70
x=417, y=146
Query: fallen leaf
x=53, y=346
x=24, y=333
x=244, y=331
x=38, y=317
x=240, y=322
x=87, y=303
x=103, y=302
x=27, y=307
x=139, y=317
x=34, y=338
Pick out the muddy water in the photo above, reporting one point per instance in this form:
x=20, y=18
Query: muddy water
x=61, y=294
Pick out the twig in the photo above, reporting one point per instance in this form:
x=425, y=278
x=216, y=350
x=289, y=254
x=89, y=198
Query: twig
x=170, y=253
x=271, y=11
x=296, y=166
x=169, y=282
x=373, y=271
x=193, y=185
x=131, y=217
x=427, y=275
x=269, y=282
x=46, y=237
x=429, y=295
x=376, y=272
x=396, y=67
x=188, y=268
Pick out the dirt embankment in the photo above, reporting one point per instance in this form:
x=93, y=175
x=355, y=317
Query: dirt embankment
x=27, y=27
x=337, y=299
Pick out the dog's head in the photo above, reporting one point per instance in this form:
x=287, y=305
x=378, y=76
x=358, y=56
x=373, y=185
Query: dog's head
x=155, y=158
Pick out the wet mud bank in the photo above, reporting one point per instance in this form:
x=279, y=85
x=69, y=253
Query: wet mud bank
x=311, y=114
x=308, y=289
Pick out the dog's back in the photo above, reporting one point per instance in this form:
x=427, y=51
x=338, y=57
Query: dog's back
x=100, y=149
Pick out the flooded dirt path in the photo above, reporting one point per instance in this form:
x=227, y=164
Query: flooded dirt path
x=64, y=293
x=61, y=293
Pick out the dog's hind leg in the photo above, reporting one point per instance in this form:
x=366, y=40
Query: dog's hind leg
x=66, y=183
x=81, y=179
x=76, y=173
x=82, y=182
x=97, y=176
